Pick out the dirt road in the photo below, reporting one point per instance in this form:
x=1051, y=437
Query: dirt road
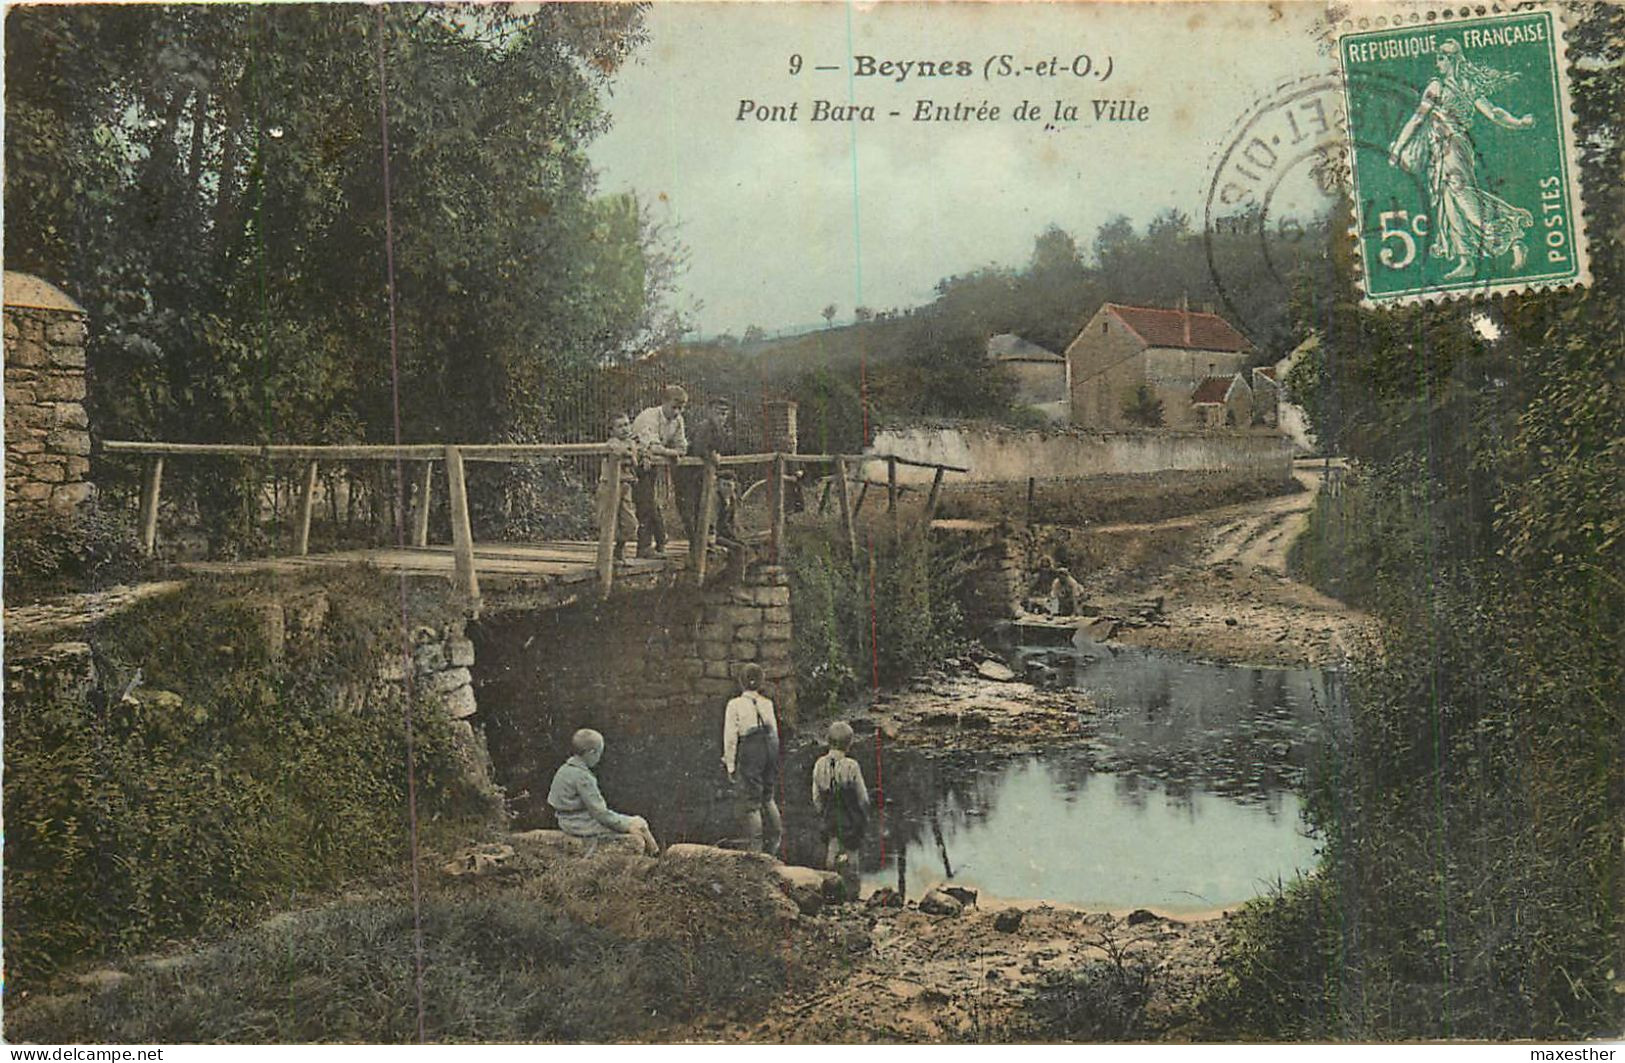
x=1221, y=577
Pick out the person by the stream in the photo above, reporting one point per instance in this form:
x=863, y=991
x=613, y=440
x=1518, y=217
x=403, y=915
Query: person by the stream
x=1066, y=593
x=579, y=805
x=750, y=753
x=707, y=438
x=660, y=436
x=842, y=802
x=625, y=448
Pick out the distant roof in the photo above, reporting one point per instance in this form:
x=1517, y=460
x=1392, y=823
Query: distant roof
x=1008, y=347
x=1266, y=371
x=27, y=290
x=1213, y=389
x=1167, y=327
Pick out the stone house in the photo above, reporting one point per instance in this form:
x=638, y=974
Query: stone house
x=1266, y=396
x=1040, y=374
x=47, y=432
x=1170, y=351
x=1223, y=402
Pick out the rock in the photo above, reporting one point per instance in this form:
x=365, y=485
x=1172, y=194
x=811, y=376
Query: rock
x=995, y=671
x=691, y=851
x=809, y=887
x=480, y=860
x=963, y=894
x=1230, y=621
x=556, y=843
x=936, y=902
x=1103, y=629
x=102, y=978
x=1142, y=915
x=1008, y=921
x=856, y=939
x=884, y=897
x=459, y=704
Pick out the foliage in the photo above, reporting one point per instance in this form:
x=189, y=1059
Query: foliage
x=931, y=361
x=601, y=950
x=1472, y=813
x=228, y=779
x=876, y=620
x=208, y=182
x=51, y=553
x=1279, y=979
x=1102, y=1001
x=1143, y=408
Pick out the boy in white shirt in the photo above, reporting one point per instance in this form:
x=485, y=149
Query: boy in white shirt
x=750, y=753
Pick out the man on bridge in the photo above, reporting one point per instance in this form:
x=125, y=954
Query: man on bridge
x=659, y=433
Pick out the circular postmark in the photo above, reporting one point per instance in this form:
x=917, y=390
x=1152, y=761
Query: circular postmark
x=1270, y=200
x=1283, y=182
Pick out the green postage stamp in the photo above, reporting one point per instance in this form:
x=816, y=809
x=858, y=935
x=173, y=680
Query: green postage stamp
x=1461, y=154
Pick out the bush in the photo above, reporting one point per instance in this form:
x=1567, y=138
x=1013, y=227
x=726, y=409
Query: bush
x=56, y=553
x=227, y=781
x=1280, y=967
x=881, y=619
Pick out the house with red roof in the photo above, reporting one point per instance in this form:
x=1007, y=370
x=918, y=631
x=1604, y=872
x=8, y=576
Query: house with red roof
x=1170, y=352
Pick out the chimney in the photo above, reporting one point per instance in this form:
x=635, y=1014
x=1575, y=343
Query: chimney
x=1185, y=315
x=1212, y=367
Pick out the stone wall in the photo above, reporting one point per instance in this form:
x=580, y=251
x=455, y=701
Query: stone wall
x=995, y=454
x=47, y=432
x=652, y=670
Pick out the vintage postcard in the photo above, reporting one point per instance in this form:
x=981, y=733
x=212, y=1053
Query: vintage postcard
x=886, y=523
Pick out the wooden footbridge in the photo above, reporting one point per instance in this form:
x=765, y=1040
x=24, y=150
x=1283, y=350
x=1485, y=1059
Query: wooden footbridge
x=555, y=571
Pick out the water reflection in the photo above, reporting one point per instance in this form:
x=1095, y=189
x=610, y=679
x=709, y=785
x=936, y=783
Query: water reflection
x=1182, y=799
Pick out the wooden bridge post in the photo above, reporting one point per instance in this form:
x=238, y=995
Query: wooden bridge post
x=462, y=531
x=697, y=554
x=307, y=502
x=931, y=499
x=609, y=511
x=776, y=501
x=844, y=489
x=151, y=487
x=420, y=515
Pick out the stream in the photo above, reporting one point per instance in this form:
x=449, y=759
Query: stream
x=1181, y=794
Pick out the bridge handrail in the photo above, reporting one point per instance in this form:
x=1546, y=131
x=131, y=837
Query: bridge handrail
x=455, y=454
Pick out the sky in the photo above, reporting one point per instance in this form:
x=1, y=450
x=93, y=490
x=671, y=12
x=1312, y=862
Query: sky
x=781, y=218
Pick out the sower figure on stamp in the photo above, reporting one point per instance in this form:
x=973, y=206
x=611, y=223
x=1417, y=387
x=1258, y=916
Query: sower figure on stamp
x=842, y=802
x=707, y=438
x=625, y=448
x=750, y=753
x=660, y=437
x=1469, y=221
x=579, y=805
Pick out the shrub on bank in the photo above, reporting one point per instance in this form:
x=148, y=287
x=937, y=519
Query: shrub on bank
x=875, y=620
x=1471, y=794
x=56, y=553
x=229, y=778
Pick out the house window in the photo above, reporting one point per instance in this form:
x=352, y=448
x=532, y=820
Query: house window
x=1103, y=325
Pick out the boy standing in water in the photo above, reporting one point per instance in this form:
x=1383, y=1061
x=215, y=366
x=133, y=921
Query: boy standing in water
x=842, y=801
x=750, y=753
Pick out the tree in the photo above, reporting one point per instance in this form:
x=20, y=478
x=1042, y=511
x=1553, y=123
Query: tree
x=1143, y=408
x=208, y=182
x=828, y=314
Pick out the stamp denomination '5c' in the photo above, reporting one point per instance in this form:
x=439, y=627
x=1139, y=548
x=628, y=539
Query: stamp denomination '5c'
x=1461, y=155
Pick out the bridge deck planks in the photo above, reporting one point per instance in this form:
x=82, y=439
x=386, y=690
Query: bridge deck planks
x=551, y=562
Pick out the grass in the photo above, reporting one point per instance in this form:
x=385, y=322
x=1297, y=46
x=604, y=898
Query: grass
x=603, y=949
